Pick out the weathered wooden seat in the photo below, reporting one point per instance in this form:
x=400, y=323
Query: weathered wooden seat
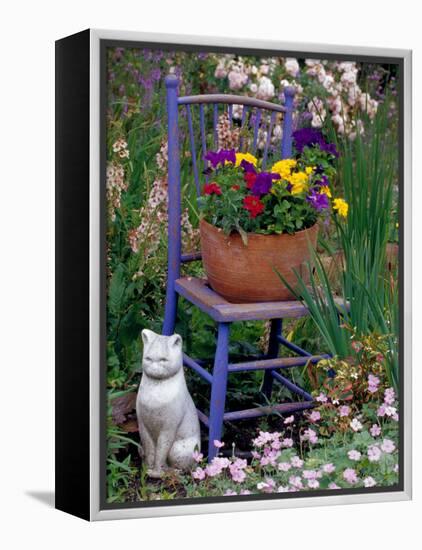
x=198, y=292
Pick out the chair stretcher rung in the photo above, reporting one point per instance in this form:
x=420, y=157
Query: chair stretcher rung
x=189, y=362
x=203, y=418
x=278, y=363
x=293, y=347
x=190, y=257
x=262, y=411
x=291, y=386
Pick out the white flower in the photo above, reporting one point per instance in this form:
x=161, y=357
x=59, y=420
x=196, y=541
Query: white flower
x=354, y=455
x=266, y=88
x=355, y=425
x=237, y=79
x=369, y=481
x=388, y=446
x=292, y=66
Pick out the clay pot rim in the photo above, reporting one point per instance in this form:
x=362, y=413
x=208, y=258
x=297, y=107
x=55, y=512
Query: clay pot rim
x=235, y=234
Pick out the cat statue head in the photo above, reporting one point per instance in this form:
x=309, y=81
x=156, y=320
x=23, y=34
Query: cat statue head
x=163, y=356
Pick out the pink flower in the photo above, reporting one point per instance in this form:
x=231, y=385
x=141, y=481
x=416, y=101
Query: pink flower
x=263, y=439
x=369, y=481
x=236, y=470
x=357, y=346
x=267, y=486
x=381, y=410
x=217, y=466
x=310, y=435
x=374, y=453
x=230, y=493
x=350, y=476
x=276, y=444
x=284, y=466
x=287, y=442
x=328, y=468
x=255, y=455
x=237, y=475
x=373, y=383
x=311, y=474
x=322, y=398
x=296, y=482
x=199, y=473
x=313, y=483
x=283, y=489
x=289, y=419
x=333, y=485
x=375, y=430
x=296, y=462
x=389, y=396
x=344, y=410
x=388, y=446
x=218, y=444
x=355, y=425
x=197, y=456
x=245, y=492
x=354, y=455
x=270, y=457
x=315, y=416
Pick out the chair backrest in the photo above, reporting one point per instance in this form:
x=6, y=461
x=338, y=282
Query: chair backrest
x=256, y=114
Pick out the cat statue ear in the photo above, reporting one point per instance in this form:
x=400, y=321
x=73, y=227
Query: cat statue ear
x=176, y=340
x=148, y=336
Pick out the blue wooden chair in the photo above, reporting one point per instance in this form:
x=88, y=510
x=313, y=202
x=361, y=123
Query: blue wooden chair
x=196, y=291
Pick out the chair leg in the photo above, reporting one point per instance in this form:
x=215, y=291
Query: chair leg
x=218, y=388
x=170, y=312
x=273, y=346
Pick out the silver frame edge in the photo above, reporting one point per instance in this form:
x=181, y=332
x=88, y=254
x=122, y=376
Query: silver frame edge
x=96, y=513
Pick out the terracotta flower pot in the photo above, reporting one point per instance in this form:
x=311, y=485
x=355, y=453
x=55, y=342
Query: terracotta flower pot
x=245, y=273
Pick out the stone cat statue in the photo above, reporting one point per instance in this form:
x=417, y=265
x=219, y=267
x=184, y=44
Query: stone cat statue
x=167, y=418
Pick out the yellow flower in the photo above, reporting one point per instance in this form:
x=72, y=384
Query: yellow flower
x=326, y=191
x=284, y=167
x=309, y=170
x=341, y=206
x=245, y=156
x=299, y=182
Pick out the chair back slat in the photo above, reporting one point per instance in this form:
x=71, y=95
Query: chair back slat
x=230, y=113
x=245, y=111
x=215, y=124
x=268, y=140
x=256, y=129
x=193, y=150
x=203, y=136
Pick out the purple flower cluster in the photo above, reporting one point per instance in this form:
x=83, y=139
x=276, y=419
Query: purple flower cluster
x=310, y=136
x=221, y=157
x=318, y=200
x=263, y=183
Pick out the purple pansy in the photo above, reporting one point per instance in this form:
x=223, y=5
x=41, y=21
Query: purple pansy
x=318, y=200
x=310, y=136
x=248, y=166
x=221, y=157
x=263, y=183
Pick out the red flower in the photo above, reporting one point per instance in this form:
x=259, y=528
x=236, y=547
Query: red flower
x=250, y=178
x=235, y=187
x=212, y=188
x=253, y=205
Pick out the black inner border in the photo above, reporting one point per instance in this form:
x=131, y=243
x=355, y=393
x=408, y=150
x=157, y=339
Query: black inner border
x=104, y=44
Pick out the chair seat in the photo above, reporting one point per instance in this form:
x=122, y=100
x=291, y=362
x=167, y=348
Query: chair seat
x=198, y=292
